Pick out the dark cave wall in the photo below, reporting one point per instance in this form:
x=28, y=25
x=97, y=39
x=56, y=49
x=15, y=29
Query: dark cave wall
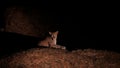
x=28, y=21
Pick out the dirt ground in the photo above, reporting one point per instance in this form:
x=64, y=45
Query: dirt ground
x=58, y=58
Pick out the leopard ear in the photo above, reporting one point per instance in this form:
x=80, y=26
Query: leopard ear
x=57, y=32
x=50, y=33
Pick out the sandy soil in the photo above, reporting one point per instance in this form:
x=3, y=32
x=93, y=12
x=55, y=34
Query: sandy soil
x=58, y=58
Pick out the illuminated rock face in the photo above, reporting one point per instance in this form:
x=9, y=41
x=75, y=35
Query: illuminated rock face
x=26, y=21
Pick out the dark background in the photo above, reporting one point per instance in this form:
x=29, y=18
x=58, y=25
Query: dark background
x=78, y=22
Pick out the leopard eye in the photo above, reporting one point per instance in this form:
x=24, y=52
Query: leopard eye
x=53, y=36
